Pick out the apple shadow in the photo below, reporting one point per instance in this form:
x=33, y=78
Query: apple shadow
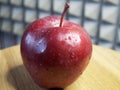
x=19, y=78
x=56, y=89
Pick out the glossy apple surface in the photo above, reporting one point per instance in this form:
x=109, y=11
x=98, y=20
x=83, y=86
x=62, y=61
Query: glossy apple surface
x=55, y=56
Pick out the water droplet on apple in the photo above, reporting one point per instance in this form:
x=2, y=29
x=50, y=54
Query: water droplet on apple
x=69, y=37
x=40, y=64
x=72, y=55
x=59, y=54
x=42, y=31
x=75, y=39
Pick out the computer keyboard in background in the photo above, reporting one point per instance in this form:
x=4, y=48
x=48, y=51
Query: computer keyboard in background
x=101, y=18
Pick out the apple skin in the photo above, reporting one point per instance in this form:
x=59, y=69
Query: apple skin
x=55, y=56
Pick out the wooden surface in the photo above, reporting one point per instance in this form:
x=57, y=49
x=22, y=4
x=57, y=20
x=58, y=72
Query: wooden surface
x=102, y=73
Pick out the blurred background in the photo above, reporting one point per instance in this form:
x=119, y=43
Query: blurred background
x=101, y=18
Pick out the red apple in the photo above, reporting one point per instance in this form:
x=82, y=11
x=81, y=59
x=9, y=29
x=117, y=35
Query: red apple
x=55, y=51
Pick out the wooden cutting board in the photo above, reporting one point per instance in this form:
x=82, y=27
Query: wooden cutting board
x=102, y=73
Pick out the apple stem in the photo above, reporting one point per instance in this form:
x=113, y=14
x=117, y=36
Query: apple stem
x=63, y=14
